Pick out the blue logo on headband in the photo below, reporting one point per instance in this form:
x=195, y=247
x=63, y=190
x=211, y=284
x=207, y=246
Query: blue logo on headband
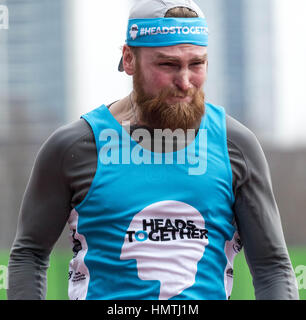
x=163, y=32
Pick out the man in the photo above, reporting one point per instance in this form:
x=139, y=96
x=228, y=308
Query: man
x=146, y=222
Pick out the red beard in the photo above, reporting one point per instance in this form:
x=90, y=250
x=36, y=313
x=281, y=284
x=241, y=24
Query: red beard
x=155, y=112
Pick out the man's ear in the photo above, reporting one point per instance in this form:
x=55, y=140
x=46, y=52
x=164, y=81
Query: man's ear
x=129, y=60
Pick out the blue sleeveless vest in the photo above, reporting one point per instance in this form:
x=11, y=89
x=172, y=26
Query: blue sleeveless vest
x=155, y=225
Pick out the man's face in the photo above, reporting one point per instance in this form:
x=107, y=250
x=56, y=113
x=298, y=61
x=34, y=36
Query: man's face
x=168, y=82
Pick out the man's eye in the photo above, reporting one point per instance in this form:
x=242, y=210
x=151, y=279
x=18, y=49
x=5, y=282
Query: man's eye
x=198, y=63
x=167, y=64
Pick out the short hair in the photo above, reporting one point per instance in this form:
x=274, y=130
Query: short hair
x=181, y=12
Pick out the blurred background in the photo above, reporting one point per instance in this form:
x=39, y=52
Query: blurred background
x=59, y=59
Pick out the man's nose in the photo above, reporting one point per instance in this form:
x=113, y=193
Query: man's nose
x=182, y=80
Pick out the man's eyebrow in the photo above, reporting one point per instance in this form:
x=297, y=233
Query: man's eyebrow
x=200, y=58
x=175, y=58
x=166, y=57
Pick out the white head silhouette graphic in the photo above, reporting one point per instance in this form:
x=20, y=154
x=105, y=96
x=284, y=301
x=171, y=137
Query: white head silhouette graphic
x=134, y=31
x=167, y=239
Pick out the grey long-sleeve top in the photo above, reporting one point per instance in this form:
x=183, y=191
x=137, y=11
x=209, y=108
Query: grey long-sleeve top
x=61, y=177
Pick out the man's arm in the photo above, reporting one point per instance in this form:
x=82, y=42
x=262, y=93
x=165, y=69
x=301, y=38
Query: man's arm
x=44, y=212
x=257, y=217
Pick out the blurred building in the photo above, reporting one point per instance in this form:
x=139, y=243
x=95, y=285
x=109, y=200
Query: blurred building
x=241, y=60
x=32, y=96
x=287, y=166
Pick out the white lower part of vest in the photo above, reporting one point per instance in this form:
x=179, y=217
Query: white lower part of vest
x=231, y=249
x=78, y=272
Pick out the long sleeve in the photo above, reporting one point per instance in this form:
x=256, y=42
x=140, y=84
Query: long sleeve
x=257, y=217
x=44, y=212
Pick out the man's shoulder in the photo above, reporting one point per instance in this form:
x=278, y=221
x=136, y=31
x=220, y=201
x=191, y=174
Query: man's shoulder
x=242, y=139
x=239, y=134
x=66, y=136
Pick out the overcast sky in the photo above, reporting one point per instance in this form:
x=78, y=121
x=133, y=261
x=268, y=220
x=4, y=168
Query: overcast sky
x=98, y=35
x=291, y=62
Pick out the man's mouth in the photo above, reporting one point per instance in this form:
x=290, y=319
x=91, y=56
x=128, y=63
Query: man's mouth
x=176, y=99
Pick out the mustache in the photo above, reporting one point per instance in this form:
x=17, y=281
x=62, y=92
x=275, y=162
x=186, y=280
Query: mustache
x=166, y=93
x=176, y=93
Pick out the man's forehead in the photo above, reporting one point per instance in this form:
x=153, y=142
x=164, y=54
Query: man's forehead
x=180, y=51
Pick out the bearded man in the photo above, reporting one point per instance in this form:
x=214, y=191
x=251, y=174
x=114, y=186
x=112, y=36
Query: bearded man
x=144, y=227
